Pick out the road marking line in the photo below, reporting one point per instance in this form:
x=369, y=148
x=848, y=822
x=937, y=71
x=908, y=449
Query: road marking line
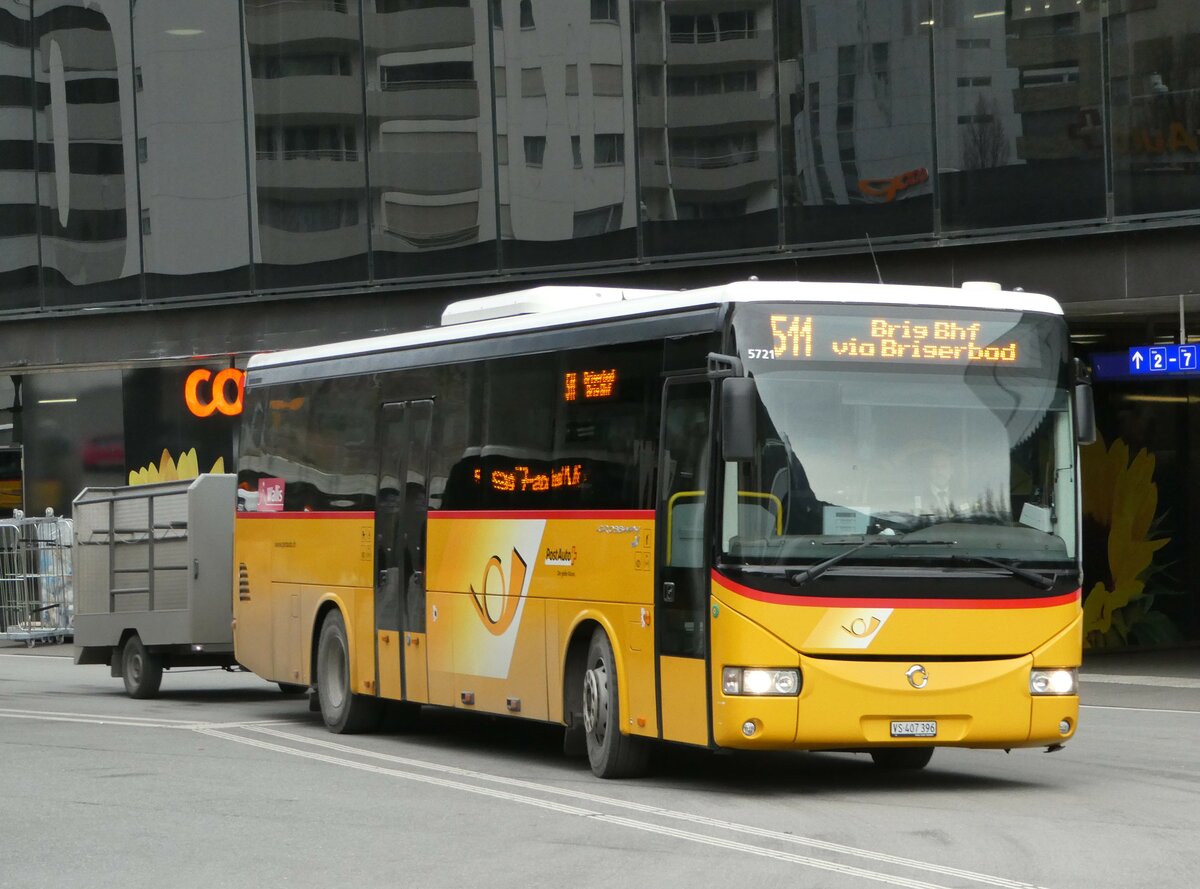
x=153, y=720
x=41, y=657
x=1136, y=709
x=562, y=808
x=1157, y=681
x=878, y=857
x=97, y=720
x=133, y=721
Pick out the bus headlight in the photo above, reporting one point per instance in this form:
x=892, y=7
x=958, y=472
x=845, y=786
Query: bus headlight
x=1054, y=682
x=760, y=681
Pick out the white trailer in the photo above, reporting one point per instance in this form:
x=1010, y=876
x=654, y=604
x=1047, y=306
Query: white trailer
x=153, y=577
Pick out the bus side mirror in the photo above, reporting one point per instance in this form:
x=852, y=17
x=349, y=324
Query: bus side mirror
x=1085, y=414
x=1085, y=404
x=739, y=412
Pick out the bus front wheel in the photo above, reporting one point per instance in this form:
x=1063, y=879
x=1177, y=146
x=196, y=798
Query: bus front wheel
x=343, y=711
x=902, y=758
x=611, y=753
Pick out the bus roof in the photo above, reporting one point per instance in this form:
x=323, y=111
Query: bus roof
x=572, y=305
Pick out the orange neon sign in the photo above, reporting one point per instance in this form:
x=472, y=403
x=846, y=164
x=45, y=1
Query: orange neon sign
x=214, y=397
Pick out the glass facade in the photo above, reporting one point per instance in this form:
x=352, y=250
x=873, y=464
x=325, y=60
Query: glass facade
x=151, y=151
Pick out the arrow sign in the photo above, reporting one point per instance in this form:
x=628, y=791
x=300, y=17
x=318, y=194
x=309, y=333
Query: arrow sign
x=1165, y=360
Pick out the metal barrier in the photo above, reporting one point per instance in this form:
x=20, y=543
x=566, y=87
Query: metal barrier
x=36, y=590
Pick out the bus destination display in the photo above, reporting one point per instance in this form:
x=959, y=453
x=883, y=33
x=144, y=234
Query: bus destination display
x=888, y=340
x=591, y=385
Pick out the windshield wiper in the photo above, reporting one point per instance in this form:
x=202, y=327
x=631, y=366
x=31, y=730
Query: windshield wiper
x=814, y=571
x=1038, y=580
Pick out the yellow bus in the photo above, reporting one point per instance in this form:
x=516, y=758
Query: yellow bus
x=764, y=515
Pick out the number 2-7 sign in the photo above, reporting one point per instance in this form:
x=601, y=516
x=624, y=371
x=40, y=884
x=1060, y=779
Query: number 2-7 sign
x=1172, y=359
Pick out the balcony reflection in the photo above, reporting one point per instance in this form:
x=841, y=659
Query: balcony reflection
x=191, y=148
x=1015, y=92
x=563, y=93
x=856, y=95
x=87, y=185
x=18, y=161
x=309, y=177
x=429, y=137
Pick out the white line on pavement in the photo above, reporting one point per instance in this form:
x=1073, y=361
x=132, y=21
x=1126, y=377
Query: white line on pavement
x=584, y=796
x=1137, y=709
x=1157, y=681
x=561, y=808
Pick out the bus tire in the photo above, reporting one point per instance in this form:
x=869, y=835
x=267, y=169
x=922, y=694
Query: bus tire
x=140, y=670
x=344, y=712
x=902, y=758
x=610, y=753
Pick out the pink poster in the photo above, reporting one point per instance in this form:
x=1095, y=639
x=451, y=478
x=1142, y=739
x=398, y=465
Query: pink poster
x=270, y=495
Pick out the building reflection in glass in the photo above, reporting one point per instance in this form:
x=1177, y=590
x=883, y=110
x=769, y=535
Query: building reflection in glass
x=87, y=180
x=1154, y=66
x=1019, y=95
x=707, y=132
x=856, y=102
x=18, y=168
x=191, y=147
x=305, y=105
x=563, y=92
x=429, y=125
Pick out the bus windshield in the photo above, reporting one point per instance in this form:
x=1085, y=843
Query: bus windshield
x=949, y=428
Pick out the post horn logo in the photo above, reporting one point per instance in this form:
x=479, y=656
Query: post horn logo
x=497, y=609
x=862, y=628
x=917, y=677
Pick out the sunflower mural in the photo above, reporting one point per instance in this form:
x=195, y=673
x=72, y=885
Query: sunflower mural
x=169, y=470
x=1120, y=536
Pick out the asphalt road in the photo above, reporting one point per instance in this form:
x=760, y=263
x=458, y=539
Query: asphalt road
x=223, y=781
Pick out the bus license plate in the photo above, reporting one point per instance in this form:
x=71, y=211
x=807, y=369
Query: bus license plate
x=913, y=729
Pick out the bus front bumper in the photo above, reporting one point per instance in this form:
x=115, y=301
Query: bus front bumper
x=847, y=704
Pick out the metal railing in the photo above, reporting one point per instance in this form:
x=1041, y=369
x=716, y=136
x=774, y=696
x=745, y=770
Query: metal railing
x=313, y=154
x=694, y=37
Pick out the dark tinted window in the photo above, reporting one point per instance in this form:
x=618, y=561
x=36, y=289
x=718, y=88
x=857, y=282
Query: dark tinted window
x=568, y=431
x=319, y=438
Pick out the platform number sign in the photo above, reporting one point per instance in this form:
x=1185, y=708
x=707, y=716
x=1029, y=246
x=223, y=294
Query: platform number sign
x=1163, y=360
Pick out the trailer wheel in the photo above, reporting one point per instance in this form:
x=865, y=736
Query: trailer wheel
x=141, y=670
x=343, y=711
x=611, y=753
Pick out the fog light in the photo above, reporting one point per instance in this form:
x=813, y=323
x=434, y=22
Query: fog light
x=197, y=648
x=749, y=727
x=1054, y=682
x=1064, y=727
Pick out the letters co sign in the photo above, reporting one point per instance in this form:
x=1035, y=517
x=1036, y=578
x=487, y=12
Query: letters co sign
x=207, y=393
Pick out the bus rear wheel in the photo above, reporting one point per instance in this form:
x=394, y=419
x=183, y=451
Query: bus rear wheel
x=611, y=753
x=343, y=711
x=902, y=758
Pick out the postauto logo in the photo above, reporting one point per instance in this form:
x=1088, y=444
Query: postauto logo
x=563, y=556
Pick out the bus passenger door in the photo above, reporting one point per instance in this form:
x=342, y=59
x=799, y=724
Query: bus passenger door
x=400, y=512
x=682, y=585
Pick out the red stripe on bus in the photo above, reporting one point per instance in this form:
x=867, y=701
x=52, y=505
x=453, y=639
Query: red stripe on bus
x=583, y=514
x=305, y=514
x=834, y=602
